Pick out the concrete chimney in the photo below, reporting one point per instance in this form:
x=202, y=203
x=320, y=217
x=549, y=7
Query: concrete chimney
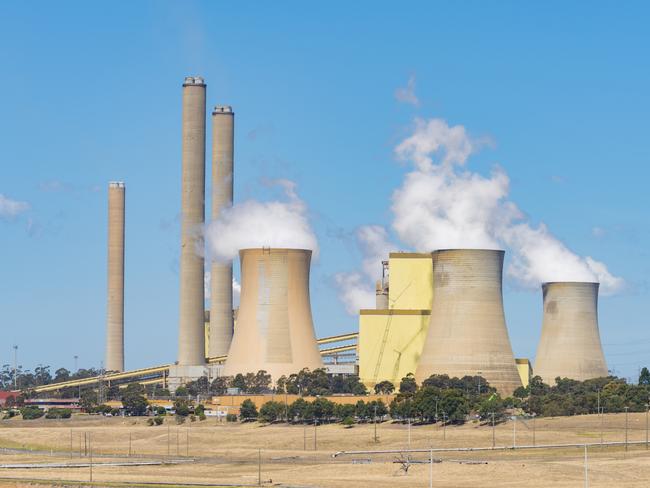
x=570, y=343
x=275, y=331
x=115, y=306
x=467, y=333
x=191, y=340
x=221, y=306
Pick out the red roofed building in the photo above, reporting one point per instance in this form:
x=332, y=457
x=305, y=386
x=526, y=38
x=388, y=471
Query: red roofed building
x=4, y=395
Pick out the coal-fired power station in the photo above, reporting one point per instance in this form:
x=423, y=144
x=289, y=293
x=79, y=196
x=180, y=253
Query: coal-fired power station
x=221, y=305
x=570, y=343
x=115, y=303
x=191, y=336
x=275, y=331
x=467, y=333
x=437, y=312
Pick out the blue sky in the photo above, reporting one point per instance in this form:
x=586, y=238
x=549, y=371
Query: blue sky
x=91, y=92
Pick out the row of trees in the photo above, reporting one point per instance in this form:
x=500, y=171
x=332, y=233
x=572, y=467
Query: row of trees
x=26, y=379
x=304, y=383
x=320, y=410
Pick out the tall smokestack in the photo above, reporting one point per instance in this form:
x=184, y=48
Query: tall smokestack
x=115, y=305
x=274, y=329
x=221, y=318
x=191, y=340
x=467, y=331
x=570, y=344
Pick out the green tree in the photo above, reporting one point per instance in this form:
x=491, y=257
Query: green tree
x=182, y=407
x=247, y=410
x=272, y=411
x=133, y=400
x=88, y=400
x=239, y=381
x=408, y=384
x=181, y=391
x=384, y=388
x=644, y=377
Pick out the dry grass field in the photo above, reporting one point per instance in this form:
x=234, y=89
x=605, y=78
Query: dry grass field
x=213, y=454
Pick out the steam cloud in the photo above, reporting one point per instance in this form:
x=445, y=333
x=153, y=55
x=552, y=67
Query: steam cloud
x=356, y=290
x=11, y=208
x=251, y=224
x=441, y=205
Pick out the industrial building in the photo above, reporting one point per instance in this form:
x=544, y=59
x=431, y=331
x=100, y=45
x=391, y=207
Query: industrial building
x=436, y=313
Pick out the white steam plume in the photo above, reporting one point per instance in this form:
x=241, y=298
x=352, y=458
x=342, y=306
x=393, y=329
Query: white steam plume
x=357, y=290
x=251, y=224
x=442, y=205
x=11, y=208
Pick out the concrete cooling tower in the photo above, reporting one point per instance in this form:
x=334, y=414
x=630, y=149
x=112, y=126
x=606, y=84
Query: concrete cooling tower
x=467, y=333
x=221, y=318
x=115, y=302
x=274, y=329
x=570, y=343
x=191, y=340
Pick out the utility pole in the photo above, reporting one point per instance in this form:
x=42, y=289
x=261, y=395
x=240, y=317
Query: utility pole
x=586, y=469
x=431, y=468
x=15, y=367
x=626, y=411
x=90, y=450
x=493, y=432
x=602, y=421
x=70, y=443
x=514, y=432
x=168, y=440
x=647, y=409
x=409, y=432
x=375, y=423
x=259, y=467
x=304, y=436
x=315, y=425
x=444, y=426
x=129, y=444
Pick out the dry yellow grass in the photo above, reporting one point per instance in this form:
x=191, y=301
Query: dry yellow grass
x=228, y=453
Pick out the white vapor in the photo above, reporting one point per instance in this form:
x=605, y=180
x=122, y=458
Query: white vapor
x=443, y=205
x=11, y=208
x=252, y=224
x=407, y=94
x=236, y=288
x=357, y=290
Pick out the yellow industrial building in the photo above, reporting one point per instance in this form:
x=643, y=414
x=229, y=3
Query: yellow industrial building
x=392, y=336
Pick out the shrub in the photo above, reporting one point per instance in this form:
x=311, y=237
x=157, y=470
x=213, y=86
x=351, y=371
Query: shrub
x=192, y=418
x=231, y=417
x=150, y=422
x=348, y=422
x=158, y=420
x=202, y=417
x=180, y=419
x=181, y=407
x=199, y=409
x=58, y=413
x=160, y=411
x=31, y=412
x=247, y=410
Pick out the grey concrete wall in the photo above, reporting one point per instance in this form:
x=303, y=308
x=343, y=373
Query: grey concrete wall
x=275, y=331
x=570, y=345
x=467, y=331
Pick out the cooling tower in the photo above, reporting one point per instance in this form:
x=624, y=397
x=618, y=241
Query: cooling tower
x=274, y=329
x=221, y=318
x=191, y=340
x=467, y=333
x=115, y=305
x=570, y=343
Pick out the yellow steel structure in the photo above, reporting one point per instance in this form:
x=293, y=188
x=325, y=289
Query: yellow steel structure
x=390, y=343
x=525, y=370
x=410, y=281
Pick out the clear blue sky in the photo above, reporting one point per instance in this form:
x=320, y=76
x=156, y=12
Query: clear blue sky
x=90, y=92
